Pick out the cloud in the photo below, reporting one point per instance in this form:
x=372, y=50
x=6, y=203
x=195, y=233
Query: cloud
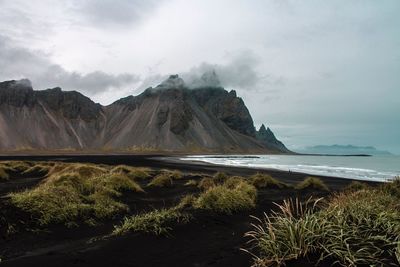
x=114, y=12
x=18, y=62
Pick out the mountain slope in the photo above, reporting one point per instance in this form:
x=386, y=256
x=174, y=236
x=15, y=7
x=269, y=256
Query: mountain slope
x=169, y=117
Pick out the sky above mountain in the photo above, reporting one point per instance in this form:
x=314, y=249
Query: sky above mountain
x=316, y=72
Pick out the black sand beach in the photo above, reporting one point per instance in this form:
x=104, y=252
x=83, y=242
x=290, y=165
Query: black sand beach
x=208, y=240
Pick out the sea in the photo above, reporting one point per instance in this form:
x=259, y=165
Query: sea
x=369, y=168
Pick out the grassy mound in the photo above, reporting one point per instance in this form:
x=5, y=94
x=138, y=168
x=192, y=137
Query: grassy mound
x=156, y=222
x=227, y=198
x=312, y=183
x=132, y=172
x=161, y=180
x=75, y=192
x=352, y=228
x=261, y=180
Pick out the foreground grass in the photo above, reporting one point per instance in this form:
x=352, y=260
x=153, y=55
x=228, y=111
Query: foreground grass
x=352, y=228
x=158, y=222
x=74, y=193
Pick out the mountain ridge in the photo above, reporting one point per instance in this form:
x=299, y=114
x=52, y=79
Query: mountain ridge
x=169, y=117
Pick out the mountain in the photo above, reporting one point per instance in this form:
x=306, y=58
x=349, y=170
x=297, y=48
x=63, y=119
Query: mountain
x=344, y=150
x=169, y=117
x=267, y=137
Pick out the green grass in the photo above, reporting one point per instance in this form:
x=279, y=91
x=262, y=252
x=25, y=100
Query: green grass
x=261, y=180
x=351, y=228
x=161, y=180
x=227, y=198
x=312, y=183
x=158, y=222
x=74, y=193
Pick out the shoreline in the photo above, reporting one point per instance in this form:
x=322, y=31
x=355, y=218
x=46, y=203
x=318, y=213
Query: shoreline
x=167, y=161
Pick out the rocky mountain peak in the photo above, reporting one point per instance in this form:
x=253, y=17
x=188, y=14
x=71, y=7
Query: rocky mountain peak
x=267, y=137
x=174, y=81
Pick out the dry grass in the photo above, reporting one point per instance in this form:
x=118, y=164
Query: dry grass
x=161, y=180
x=261, y=180
x=356, y=186
x=312, y=183
x=132, y=172
x=158, y=222
x=206, y=183
x=220, y=177
x=224, y=199
x=75, y=192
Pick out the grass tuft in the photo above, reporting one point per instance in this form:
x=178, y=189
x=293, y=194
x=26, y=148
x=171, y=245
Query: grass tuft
x=351, y=228
x=224, y=199
x=132, y=172
x=206, y=183
x=261, y=180
x=220, y=177
x=158, y=222
x=75, y=193
x=161, y=180
x=356, y=186
x=312, y=183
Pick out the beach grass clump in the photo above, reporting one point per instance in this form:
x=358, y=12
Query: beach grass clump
x=313, y=183
x=132, y=172
x=4, y=176
x=220, y=177
x=351, y=228
x=191, y=182
x=206, y=183
x=261, y=180
x=157, y=222
x=227, y=200
x=161, y=180
x=356, y=186
x=75, y=194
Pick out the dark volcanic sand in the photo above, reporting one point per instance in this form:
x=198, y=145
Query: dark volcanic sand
x=208, y=240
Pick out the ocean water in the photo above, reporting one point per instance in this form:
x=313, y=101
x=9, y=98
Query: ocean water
x=374, y=168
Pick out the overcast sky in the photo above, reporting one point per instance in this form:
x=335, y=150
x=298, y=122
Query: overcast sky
x=316, y=72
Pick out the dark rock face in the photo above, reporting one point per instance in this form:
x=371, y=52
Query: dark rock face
x=227, y=107
x=267, y=137
x=169, y=117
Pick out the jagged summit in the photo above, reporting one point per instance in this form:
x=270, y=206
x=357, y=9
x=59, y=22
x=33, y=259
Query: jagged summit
x=267, y=137
x=208, y=119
